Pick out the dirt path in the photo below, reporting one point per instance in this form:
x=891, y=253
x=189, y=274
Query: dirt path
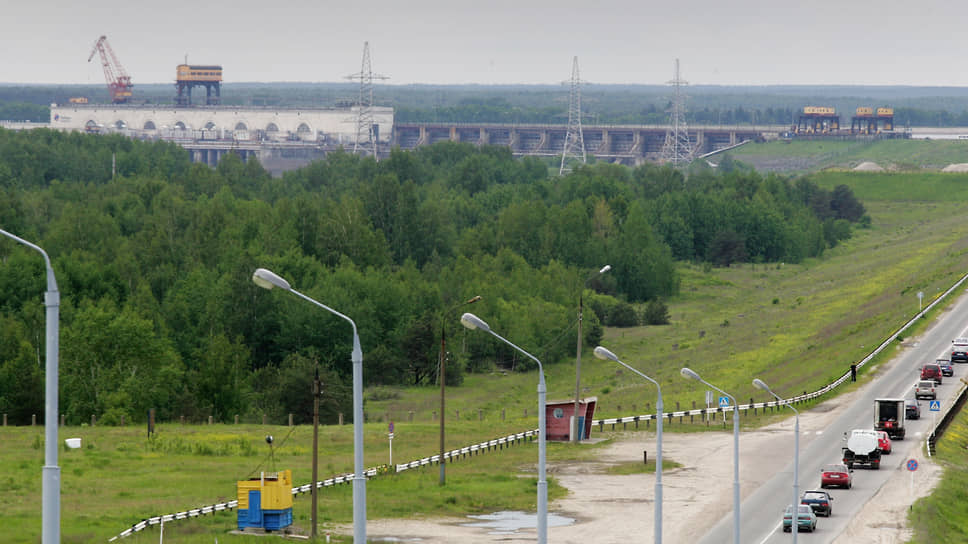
x=613, y=508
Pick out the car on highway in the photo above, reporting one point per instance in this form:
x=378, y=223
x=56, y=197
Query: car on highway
x=925, y=389
x=946, y=368
x=959, y=350
x=931, y=371
x=836, y=475
x=820, y=501
x=806, y=519
x=884, y=442
x=912, y=409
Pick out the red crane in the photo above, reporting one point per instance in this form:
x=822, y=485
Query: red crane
x=119, y=82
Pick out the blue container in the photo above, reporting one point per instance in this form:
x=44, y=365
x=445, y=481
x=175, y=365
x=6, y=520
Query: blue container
x=255, y=516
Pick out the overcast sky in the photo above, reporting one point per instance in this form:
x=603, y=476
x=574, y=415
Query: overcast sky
x=718, y=42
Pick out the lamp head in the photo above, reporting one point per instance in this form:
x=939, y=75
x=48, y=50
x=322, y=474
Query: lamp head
x=758, y=383
x=268, y=279
x=603, y=353
x=605, y=269
x=472, y=322
x=688, y=373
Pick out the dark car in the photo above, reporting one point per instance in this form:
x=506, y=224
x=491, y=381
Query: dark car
x=820, y=501
x=931, y=371
x=946, y=368
x=959, y=350
x=912, y=409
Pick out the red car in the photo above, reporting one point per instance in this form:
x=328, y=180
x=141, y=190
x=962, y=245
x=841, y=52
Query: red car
x=836, y=475
x=883, y=442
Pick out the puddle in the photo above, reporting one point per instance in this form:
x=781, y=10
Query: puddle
x=509, y=522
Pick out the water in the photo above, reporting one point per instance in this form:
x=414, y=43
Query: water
x=509, y=522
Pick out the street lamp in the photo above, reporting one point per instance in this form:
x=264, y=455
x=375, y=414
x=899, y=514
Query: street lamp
x=796, y=455
x=442, y=361
x=471, y=321
x=603, y=353
x=50, y=508
x=688, y=373
x=267, y=280
x=576, y=433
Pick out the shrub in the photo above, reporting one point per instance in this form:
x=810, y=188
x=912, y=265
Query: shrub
x=656, y=313
x=623, y=315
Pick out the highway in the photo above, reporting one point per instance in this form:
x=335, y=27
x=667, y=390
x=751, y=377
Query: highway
x=761, y=508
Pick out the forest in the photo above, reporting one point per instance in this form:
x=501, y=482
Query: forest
x=154, y=260
x=544, y=104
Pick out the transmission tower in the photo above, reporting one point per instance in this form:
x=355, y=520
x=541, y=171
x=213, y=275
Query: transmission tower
x=574, y=148
x=677, y=148
x=366, y=132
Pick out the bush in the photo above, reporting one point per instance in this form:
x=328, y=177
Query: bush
x=623, y=315
x=656, y=313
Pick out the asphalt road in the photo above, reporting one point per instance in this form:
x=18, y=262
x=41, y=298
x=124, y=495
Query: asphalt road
x=761, y=509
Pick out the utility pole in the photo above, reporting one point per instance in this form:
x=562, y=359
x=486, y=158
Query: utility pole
x=315, y=489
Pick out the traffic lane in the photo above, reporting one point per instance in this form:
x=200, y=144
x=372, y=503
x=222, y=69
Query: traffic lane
x=893, y=379
x=866, y=482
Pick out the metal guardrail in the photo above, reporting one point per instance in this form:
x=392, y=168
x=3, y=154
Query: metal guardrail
x=938, y=430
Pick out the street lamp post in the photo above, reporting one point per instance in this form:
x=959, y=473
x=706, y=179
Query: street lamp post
x=603, y=353
x=575, y=431
x=471, y=321
x=796, y=456
x=50, y=486
x=688, y=373
x=268, y=279
x=442, y=362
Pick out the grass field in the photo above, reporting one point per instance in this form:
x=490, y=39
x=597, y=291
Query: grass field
x=807, y=156
x=940, y=517
x=796, y=326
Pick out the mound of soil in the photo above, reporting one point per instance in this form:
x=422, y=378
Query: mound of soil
x=868, y=166
x=959, y=167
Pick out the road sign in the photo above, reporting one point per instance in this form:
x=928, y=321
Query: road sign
x=723, y=402
x=912, y=464
x=935, y=406
x=391, y=426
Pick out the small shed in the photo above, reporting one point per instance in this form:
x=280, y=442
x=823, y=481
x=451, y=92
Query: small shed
x=266, y=502
x=558, y=415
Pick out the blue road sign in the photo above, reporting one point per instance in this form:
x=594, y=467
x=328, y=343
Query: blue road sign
x=723, y=402
x=912, y=464
x=935, y=406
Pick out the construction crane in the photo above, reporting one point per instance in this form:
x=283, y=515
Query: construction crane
x=118, y=80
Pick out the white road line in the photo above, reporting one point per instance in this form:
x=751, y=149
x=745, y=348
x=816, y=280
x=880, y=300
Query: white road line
x=775, y=527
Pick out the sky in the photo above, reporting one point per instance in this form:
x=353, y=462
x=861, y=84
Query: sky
x=718, y=42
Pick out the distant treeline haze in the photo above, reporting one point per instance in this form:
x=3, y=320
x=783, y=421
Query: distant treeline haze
x=154, y=266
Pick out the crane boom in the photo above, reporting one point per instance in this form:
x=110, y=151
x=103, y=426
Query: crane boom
x=118, y=80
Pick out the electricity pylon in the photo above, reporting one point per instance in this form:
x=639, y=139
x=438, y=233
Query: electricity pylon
x=677, y=149
x=366, y=139
x=574, y=147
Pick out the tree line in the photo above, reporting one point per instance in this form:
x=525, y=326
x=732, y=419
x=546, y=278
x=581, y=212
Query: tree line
x=154, y=265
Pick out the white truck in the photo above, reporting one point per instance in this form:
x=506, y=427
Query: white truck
x=889, y=417
x=862, y=449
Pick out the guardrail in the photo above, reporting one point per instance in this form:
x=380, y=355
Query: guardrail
x=938, y=430
x=800, y=398
x=459, y=453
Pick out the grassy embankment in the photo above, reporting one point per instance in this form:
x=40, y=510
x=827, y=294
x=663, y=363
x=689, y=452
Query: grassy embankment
x=794, y=326
x=805, y=156
x=940, y=517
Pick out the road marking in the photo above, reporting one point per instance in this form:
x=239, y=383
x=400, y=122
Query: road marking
x=775, y=527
